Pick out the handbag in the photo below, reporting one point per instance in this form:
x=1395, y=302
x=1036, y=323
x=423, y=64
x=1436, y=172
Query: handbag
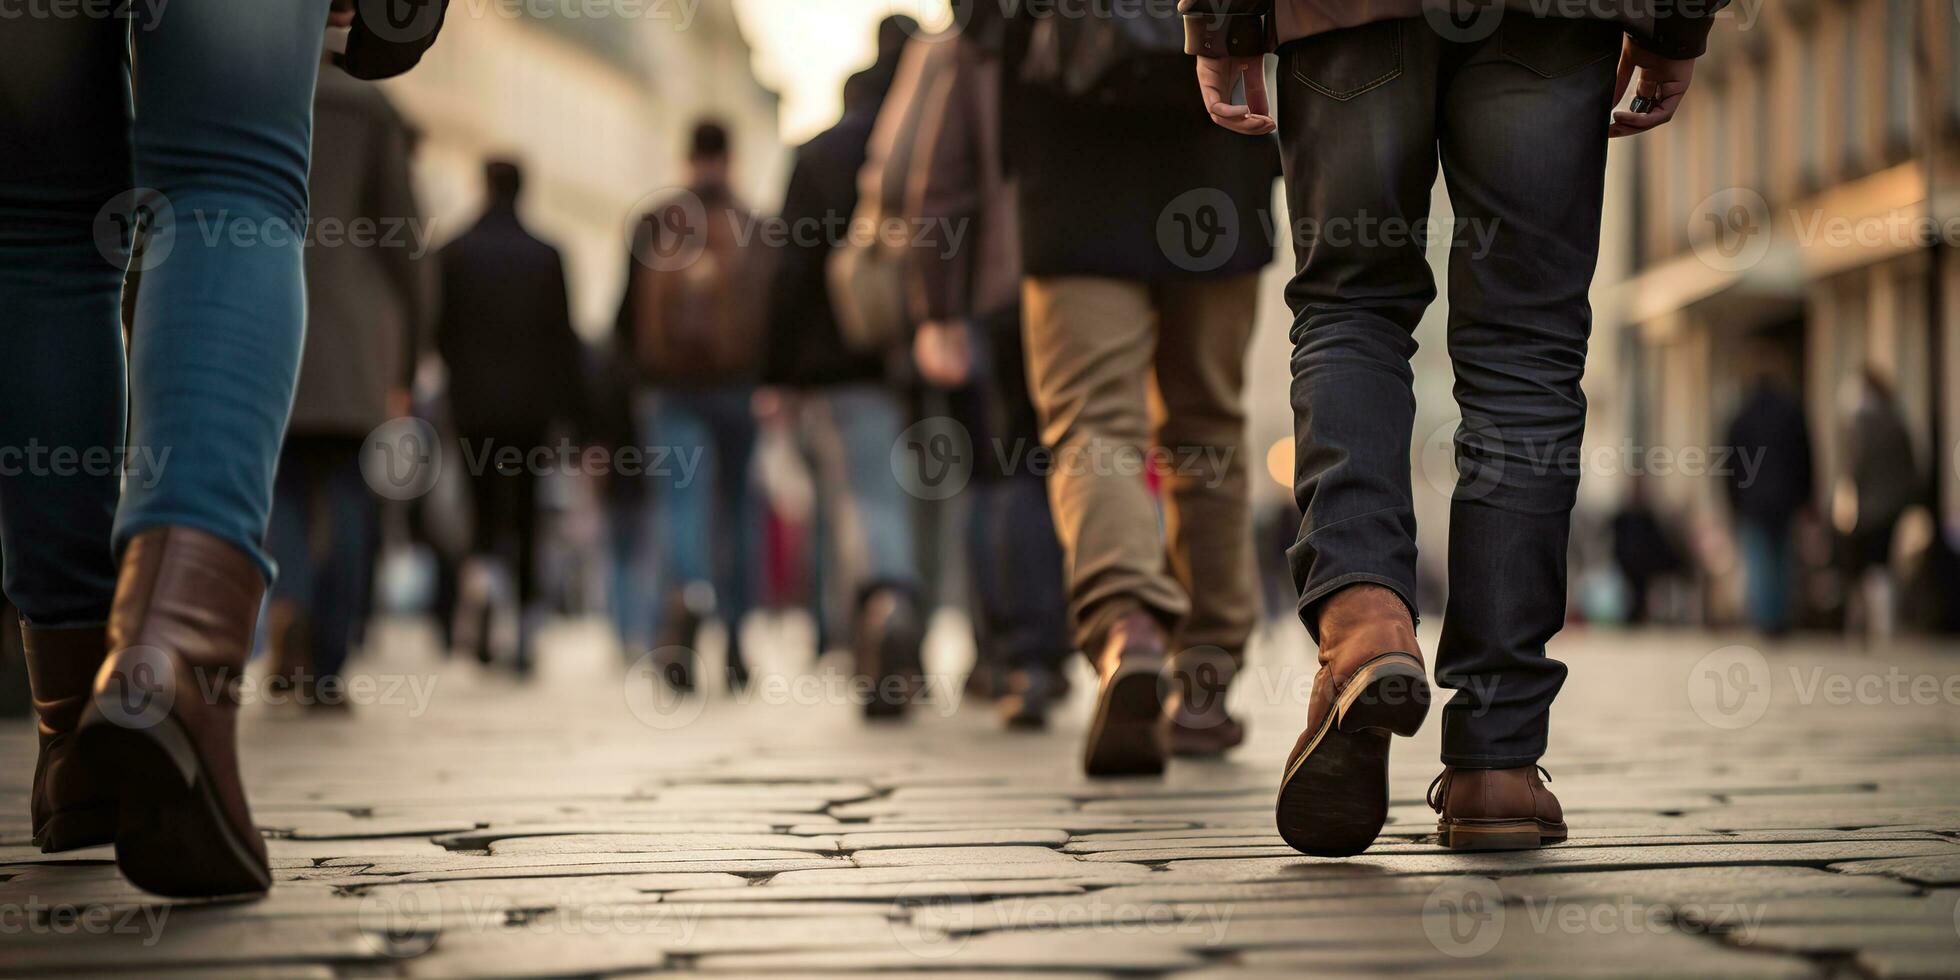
x=390, y=36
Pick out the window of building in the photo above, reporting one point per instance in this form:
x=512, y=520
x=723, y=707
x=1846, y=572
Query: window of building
x=1851, y=92
x=1810, y=149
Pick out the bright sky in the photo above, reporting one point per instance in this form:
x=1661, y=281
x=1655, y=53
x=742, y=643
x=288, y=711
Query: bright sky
x=805, y=49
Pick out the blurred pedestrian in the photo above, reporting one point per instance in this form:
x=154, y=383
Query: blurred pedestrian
x=1517, y=115
x=964, y=297
x=1142, y=237
x=159, y=571
x=1643, y=551
x=1771, y=484
x=851, y=413
x=368, y=305
x=505, y=334
x=690, y=332
x=1883, y=480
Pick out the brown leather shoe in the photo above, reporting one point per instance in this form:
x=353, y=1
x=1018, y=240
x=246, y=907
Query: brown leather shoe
x=72, y=806
x=165, y=713
x=1333, y=799
x=1129, y=735
x=1200, y=727
x=1496, y=809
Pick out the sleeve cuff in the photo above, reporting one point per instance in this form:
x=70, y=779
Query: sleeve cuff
x=1678, y=37
x=1212, y=35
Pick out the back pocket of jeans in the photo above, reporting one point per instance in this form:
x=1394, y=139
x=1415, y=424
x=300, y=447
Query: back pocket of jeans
x=1345, y=63
x=1555, y=46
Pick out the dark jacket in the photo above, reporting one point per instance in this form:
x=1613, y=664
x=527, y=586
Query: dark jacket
x=1670, y=28
x=368, y=302
x=805, y=346
x=1771, y=426
x=1114, y=191
x=505, y=330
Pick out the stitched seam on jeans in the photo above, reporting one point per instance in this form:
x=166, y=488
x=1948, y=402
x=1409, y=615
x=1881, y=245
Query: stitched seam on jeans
x=1368, y=86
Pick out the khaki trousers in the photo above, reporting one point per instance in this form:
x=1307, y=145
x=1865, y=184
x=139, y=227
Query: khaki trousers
x=1129, y=377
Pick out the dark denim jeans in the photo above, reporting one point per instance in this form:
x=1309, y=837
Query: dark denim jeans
x=218, y=140
x=1518, y=123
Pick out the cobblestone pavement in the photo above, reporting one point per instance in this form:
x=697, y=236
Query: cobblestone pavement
x=1782, y=812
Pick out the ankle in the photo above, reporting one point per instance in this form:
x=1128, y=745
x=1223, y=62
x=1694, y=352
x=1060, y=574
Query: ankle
x=1368, y=615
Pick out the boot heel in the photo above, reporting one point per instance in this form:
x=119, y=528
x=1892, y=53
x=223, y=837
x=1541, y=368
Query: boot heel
x=1390, y=694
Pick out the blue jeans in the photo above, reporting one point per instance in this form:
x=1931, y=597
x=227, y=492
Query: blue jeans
x=220, y=148
x=320, y=535
x=706, y=521
x=1766, y=559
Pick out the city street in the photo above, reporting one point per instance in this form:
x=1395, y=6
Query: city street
x=1736, y=809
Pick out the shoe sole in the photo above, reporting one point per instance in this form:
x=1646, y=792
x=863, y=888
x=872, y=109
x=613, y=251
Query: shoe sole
x=1130, y=735
x=1334, y=799
x=1498, y=835
x=172, y=838
x=900, y=675
x=74, y=829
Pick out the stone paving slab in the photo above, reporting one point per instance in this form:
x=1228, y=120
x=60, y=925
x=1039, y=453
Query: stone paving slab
x=550, y=831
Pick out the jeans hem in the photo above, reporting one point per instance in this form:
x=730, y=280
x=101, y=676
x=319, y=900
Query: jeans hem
x=251, y=549
x=1490, y=761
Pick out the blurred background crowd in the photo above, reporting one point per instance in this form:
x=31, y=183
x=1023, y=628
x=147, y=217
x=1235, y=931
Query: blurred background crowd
x=1770, y=443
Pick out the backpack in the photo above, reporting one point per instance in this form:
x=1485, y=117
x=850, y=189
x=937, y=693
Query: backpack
x=700, y=317
x=1110, y=52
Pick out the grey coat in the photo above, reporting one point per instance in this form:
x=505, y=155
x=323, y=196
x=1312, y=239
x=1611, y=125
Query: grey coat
x=368, y=288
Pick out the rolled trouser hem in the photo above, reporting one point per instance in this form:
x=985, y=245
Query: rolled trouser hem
x=1311, y=599
x=1490, y=761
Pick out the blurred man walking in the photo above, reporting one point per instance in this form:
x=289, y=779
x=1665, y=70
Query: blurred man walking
x=505, y=333
x=690, y=332
x=1767, y=495
x=1142, y=237
x=1518, y=109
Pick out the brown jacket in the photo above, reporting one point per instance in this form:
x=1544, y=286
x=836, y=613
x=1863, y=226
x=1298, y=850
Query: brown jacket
x=1217, y=28
x=953, y=185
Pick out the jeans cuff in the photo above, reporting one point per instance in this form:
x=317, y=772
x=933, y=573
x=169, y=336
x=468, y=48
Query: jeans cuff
x=1309, y=614
x=1490, y=761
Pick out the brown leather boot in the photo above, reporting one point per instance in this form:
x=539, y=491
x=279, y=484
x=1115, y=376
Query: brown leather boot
x=1333, y=799
x=164, y=717
x=72, y=805
x=1199, y=725
x=1496, y=809
x=1129, y=735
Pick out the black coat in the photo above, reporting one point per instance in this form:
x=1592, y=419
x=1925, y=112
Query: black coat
x=1103, y=189
x=1771, y=424
x=805, y=346
x=505, y=330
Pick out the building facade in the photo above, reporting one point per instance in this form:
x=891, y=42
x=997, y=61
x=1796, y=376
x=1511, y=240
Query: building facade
x=1798, y=217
